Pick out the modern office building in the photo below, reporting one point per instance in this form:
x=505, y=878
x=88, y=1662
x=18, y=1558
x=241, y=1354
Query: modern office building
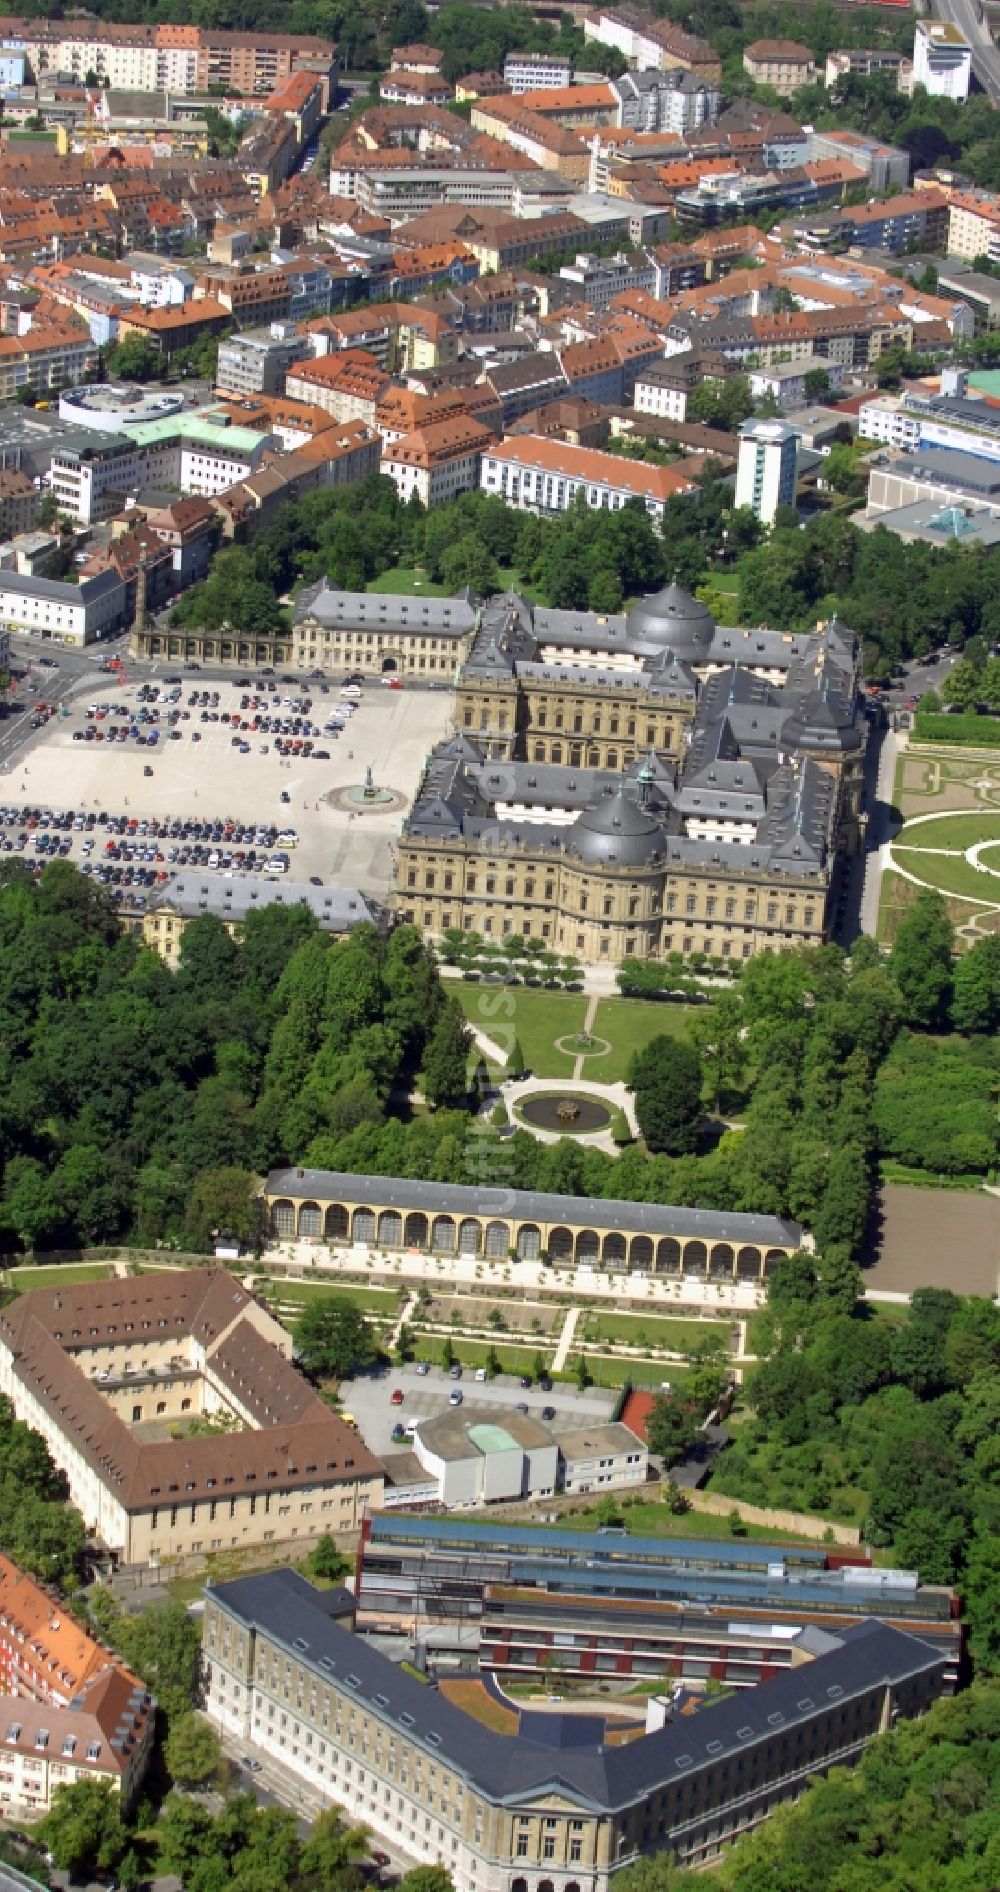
x=551, y=1801
x=607, y=1603
x=766, y=471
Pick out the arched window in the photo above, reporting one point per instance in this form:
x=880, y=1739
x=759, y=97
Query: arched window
x=528, y=1242
x=613, y=1250
x=668, y=1255
x=282, y=1218
x=337, y=1225
x=416, y=1230
x=695, y=1257
x=497, y=1238
x=642, y=1252
x=748, y=1263
x=443, y=1235
x=560, y=1245
x=390, y=1228
x=310, y=1219
x=720, y=1265
x=588, y=1245
x=363, y=1225
x=470, y=1236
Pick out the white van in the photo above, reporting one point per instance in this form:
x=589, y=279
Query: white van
x=351, y=693
x=278, y=864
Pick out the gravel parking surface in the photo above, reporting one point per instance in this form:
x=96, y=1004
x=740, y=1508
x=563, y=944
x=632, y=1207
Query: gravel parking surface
x=391, y=731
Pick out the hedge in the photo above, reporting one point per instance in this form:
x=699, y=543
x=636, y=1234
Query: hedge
x=977, y=732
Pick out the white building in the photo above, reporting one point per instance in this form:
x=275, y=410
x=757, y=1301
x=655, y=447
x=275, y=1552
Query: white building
x=942, y=59
x=949, y=419
x=765, y=472
x=535, y=72
x=673, y=101
x=75, y=614
x=546, y=476
x=438, y=462
x=786, y=380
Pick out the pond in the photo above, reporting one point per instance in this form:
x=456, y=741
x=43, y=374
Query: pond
x=565, y=1112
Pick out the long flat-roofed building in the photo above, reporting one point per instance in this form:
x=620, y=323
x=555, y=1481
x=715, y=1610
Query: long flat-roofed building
x=550, y=1800
x=453, y=1218
x=110, y=1372
x=597, y=1603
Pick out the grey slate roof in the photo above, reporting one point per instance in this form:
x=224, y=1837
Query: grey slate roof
x=360, y=610
x=527, y=1205
x=866, y=1656
x=192, y=894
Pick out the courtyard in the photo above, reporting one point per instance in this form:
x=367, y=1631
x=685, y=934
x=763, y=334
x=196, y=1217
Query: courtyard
x=566, y=1035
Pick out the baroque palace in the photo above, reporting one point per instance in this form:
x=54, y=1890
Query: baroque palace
x=639, y=785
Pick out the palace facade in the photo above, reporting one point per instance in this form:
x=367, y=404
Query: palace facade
x=639, y=785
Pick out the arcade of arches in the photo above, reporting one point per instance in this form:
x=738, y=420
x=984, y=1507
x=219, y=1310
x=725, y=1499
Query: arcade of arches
x=565, y=1243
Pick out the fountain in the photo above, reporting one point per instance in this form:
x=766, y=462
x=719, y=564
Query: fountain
x=367, y=797
x=574, y=1116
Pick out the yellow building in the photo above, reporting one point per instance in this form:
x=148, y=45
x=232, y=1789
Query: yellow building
x=634, y=787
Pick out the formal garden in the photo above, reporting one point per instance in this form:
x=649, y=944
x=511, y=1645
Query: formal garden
x=948, y=800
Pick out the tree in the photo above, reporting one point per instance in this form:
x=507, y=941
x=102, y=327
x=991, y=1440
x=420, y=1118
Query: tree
x=666, y=1080
x=515, y=1062
x=192, y=1750
x=606, y=1512
x=584, y=1377
x=656, y=1872
x=163, y=1645
x=83, y=1829
x=333, y=1339
x=816, y=384
x=975, y=1005
x=444, y=1077
x=447, y=1354
x=135, y=359
x=671, y=1429
x=325, y=1560
x=427, y=1879
x=331, y=1847
x=921, y=959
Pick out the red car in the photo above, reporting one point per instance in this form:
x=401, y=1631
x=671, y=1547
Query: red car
x=396, y=1398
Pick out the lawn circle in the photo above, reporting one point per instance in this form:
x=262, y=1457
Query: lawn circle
x=974, y=857
x=583, y=1044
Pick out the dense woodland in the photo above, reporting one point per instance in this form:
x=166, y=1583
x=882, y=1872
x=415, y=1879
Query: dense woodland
x=902, y=600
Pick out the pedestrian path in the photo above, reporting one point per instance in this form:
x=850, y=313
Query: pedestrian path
x=587, y=1026
x=409, y=1309
x=565, y=1339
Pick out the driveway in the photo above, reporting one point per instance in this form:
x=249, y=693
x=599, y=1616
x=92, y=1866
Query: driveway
x=425, y=1395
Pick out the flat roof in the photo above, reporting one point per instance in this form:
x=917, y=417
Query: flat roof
x=196, y=427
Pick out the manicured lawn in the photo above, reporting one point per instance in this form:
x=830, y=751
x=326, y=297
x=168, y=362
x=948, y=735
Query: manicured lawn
x=951, y=831
x=950, y=873
x=381, y=1302
x=58, y=1275
x=654, y=1520
x=629, y=1024
x=474, y=1352
x=536, y=1019
x=636, y=1330
x=607, y=1370
x=403, y=581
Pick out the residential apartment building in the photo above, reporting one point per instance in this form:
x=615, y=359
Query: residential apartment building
x=973, y=225
x=601, y=278
x=863, y=61
x=168, y=58
x=942, y=59
x=68, y=1710
x=92, y=474
x=650, y=42
x=884, y=165
x=285, y=1673
x=781, y=64
x=84, y=1366
x=439, y=461
x=536, y=72
x=546, y=476
x=347, y=385
x=675, y=101
x=766, y=470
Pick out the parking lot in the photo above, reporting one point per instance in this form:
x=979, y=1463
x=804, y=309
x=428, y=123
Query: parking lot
x=369, y=1399
x=225, y=752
